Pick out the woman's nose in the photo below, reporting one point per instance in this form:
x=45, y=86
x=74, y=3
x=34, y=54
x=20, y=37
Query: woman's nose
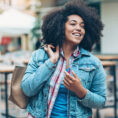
x=78, y=27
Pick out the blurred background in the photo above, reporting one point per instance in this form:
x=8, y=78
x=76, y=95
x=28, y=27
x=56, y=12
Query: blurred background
x=20, y=34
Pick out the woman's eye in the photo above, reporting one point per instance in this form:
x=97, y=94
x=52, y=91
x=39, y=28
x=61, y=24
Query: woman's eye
x=72, y=24
x=83, y=26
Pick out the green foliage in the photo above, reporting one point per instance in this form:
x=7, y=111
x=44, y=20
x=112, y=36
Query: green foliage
x=36, y=31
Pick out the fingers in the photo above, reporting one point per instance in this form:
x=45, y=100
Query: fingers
x=45, y=47
x=49, y=47
x=66, y=83
x=68, y=80
x=68, y=75
x=74, y=74
x=51, y=53
x=57, y=48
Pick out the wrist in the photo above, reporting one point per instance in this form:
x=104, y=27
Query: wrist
x=81, y=93
x=53, y=60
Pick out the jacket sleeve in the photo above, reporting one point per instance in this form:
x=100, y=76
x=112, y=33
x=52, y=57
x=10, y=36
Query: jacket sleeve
x=96, y=96
x=36, y=76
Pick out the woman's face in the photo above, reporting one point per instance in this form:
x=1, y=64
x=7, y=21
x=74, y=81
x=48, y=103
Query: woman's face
x=74, y=29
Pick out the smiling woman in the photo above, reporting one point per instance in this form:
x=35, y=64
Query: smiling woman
x=69, y=81
x=74, y=30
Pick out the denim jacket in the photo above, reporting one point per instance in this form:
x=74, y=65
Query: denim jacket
x=89, y=70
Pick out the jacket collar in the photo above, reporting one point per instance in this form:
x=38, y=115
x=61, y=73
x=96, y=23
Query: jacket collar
x=83, y=52
x=74, y=54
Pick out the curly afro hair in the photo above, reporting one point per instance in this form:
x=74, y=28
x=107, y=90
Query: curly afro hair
x=53, y=28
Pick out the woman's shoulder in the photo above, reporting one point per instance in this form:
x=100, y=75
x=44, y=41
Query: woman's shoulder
x=92, y=58
x=40, y=50
x=95, y=59
x=39, y=54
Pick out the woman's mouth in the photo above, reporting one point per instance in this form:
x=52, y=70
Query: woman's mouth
x=76, y=34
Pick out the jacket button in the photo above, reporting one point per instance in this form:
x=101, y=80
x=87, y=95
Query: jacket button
x=87, y=68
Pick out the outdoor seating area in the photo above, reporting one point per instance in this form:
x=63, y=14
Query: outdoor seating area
x=7, y=108
x=111, y=70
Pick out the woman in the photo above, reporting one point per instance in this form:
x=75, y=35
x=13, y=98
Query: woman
x=64, y=79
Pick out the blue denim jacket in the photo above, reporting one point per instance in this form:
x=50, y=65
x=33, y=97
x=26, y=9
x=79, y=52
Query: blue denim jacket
x=88, y=68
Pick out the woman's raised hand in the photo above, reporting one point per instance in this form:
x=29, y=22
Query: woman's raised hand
x=52, y=55
x=73, y=83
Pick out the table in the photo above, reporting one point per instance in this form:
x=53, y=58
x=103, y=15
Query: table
x=25, y=61
x=5, y=69
x=111, y=64
x=1, y=60
x=107, y=57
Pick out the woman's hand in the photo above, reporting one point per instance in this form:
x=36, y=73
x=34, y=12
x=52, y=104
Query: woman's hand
x=52, y=55
x=74, y=84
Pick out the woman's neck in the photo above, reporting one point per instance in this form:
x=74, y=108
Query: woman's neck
x=68, y=49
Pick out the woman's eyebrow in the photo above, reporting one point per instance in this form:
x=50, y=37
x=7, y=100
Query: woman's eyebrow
x=73, y=21
x=82, y=22
x=76, y=21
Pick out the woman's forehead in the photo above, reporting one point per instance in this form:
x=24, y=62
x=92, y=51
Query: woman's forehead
x=75, y=17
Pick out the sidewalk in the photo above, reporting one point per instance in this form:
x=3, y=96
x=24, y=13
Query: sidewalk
x=105, y=113
x=13, y=110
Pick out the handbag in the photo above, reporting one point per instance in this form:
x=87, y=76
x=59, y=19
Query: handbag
x=16, y=94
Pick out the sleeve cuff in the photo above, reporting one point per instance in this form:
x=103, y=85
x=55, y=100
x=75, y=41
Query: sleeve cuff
x=85, y=100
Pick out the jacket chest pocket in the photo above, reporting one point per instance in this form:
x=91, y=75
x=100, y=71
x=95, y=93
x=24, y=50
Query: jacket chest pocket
x=84, y=73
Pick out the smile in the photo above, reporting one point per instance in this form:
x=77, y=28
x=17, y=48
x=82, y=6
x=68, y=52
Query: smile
x=76, y=34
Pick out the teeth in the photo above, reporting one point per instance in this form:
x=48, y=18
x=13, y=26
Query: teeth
x=77, y=34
